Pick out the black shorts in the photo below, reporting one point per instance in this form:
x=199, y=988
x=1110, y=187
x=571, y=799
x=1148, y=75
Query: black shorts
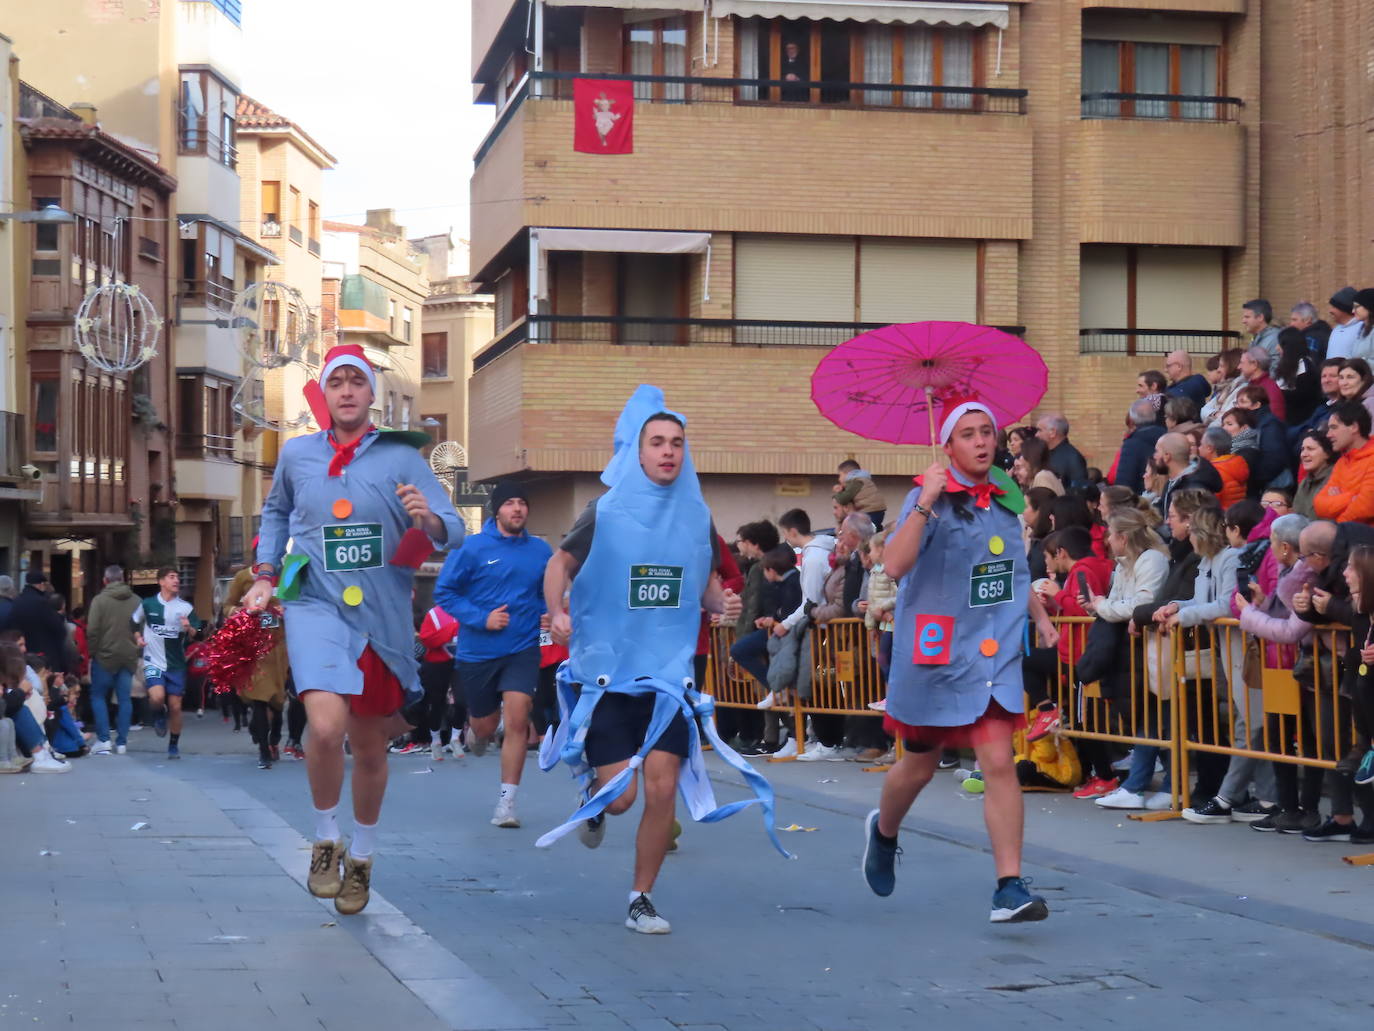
x=483, y=683
x=619, y=724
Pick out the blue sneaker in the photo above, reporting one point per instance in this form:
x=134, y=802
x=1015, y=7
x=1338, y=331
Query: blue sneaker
x=880, y=860
x=1365, y=774
x=173, y=752
x=1014, y=904
x=160, y=724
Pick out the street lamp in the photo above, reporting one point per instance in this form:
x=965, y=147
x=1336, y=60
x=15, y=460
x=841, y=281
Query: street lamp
x=51, y=215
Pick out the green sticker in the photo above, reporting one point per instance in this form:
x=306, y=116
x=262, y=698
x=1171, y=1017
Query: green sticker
x=350, y=546
x=655, y=587
x=990, y=583
x=289, y=583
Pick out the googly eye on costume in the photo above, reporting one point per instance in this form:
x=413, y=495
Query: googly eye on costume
x=603, y=680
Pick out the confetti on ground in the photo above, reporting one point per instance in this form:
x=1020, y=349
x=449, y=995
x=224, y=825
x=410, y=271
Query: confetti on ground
x=48, y=852
x=329, y=923
x=73, y=822
x=799, y=827
x=828, y=780
x=427, y=769
x=141, y=825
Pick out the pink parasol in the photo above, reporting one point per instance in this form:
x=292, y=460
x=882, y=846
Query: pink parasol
x=895, y=383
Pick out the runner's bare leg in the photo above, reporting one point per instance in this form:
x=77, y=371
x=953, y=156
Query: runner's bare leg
x=661, y=771
x=901, y=784
x=327, y=718
x=1003, y=807
x=516, y=706
x=368, y=737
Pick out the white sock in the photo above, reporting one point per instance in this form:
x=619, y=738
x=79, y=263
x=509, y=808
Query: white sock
x=635, y=894
x=433, y=737
x=508, y=792
x=364, y=840
x=327, y=824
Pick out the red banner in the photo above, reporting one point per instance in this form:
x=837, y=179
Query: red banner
x=603, y=116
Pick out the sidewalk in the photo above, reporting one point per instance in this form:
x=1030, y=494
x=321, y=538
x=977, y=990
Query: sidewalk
x=136, y=900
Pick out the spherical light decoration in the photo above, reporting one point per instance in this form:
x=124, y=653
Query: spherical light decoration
x=271, y=398
x=117, y=327
x=272, y=323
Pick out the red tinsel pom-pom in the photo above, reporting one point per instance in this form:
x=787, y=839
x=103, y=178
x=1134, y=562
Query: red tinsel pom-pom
x=235, y=649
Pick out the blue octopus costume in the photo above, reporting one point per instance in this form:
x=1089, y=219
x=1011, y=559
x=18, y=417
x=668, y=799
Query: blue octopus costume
x=635, y=616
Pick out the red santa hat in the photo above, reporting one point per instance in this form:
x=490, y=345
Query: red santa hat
x=956, y=408
x=348, y=354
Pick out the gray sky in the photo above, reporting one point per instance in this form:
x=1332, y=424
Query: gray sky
x=386, y=89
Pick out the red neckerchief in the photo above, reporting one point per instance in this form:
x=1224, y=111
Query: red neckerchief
x=343, y=453
x=982, y=493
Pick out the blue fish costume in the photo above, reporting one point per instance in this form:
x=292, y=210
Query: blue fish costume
x=635, y=608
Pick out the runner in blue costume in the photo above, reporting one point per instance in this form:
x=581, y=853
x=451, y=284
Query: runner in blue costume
x=348, y=498
x=955, y=682
x=642, y=558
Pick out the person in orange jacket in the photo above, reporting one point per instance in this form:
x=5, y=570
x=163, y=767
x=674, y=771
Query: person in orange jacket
x=1348, y=496
x=1232, y=468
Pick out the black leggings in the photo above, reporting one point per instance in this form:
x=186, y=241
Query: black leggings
x=544, y=712
x=1038, y=670
x=265, y=725
x=295, y=719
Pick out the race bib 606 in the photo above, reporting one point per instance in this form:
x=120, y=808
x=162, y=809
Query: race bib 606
x=655, y=587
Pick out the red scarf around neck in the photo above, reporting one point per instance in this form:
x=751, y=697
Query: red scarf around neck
x=343, y=453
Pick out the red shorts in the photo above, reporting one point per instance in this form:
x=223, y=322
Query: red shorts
x=382, y=694
x=995, y=725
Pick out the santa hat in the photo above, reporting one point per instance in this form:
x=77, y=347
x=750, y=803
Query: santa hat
x=956, y=408
x=348, y=354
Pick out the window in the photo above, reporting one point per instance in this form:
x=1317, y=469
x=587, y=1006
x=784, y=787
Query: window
x=434, y=355
x=45, y=412
x=207, y=267
x=391, y=316
x=296, y=232
x=407, y=406
x=1180, y=290
x=47, y=261
x=657, y=46
x=206, y=108
x=1172, y=72
x=407, y=320
x=271, y=208
x=438, y=432
x=205, y=417
x=314, y=222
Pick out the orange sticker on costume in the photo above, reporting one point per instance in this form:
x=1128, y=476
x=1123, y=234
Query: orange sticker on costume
x=933, y=637
x=343, y=508
x=353, y=596
x=989, y=647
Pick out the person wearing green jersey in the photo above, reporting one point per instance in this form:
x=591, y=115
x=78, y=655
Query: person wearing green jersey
x=163, y=624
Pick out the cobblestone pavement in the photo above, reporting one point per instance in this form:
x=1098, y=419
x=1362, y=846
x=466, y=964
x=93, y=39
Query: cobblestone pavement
x=171, y=895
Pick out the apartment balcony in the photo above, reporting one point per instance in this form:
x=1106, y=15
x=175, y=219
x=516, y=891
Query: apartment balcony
x=1156, y=341
x=1162, y=169
x=716, y=371
x=210, y=472
x=723, y=155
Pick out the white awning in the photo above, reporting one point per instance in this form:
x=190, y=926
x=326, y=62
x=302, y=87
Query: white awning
x=634, y=241
x=668, y=7
x=905, y=12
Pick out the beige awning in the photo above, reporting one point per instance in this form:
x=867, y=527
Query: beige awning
x=628, y=241
x=668, y=8
x=906, y=12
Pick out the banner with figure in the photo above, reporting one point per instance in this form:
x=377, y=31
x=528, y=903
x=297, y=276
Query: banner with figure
x=603, y=116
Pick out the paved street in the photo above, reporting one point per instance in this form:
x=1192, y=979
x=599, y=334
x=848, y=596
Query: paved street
x=173, y=898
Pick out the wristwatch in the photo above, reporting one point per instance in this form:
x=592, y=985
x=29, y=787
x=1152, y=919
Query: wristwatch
x=920, y=509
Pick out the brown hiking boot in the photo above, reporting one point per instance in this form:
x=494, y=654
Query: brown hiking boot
x=357, y=881
x=324, y=881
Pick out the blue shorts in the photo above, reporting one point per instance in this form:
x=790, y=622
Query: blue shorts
x=483, y=683
x=173, y=681
x=619, y=724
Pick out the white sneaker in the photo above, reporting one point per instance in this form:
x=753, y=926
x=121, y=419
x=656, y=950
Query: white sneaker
x=1159, y=801
x=591, y=832
x=787, y=751
x=436, y=751
x=820, y=753
x=1121, y=799
x=645, y=919
x=1123, y=765
x=121, y=749
x=879, y=706
x=767, y=702
x=44, y=762
x=505, y=813
x=100, y=748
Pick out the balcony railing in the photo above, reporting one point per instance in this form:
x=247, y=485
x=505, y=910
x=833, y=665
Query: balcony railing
x=1161, y=107
x=297, y=236
x=205, y=445
x=1155, y=341
x=667, y=332
x=271, y=228
x=196, y=292
x=684, y=89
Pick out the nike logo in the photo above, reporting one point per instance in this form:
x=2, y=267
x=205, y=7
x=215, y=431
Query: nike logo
x=492, y=561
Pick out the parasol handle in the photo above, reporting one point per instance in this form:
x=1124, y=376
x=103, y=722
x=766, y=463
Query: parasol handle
x=930, y=415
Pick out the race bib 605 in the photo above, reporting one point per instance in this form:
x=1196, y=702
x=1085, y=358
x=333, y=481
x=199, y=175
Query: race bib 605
x=349, y=546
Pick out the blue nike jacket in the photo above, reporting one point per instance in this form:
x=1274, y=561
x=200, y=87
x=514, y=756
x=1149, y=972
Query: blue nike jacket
x=490, y=570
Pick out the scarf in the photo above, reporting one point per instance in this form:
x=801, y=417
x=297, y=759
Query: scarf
x=343, y=453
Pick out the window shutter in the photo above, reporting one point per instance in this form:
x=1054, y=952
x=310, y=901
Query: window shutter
x=915, y=280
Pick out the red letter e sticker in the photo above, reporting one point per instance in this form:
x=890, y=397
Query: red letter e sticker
x=933, y=635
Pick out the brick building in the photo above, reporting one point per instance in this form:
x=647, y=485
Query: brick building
x=1091, y=174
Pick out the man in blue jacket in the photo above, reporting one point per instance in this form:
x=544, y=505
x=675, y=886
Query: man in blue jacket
x=494, y=586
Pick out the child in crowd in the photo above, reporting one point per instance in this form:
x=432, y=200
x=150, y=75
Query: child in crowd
x=1047, y=764
x=882, y=603
x=780, y=570
x=28, y=731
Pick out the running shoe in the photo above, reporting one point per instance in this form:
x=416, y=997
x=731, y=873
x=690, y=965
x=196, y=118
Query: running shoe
x=1097, y=787
x=121, y=749
x=264, y=762
x=356, y=889
x=880, y=859
x=505, y=813
x=1253, y=811
x=948, y=761
x=766, y=702
x=592, y=831
x=479, y=745
x=787, y=751
x=673, y=835
x=1328, y=831
x=645, y=919
x=293, y=751
x=100, y=748
x=1014, y=904
x=821, y=753
x=173, y=752
x=325, y=880
x=1046, y=722
x=1121, y=799
x=436, y=751
x=45, y=762
x=409, y=748
x=1364, y=773
x=159, y=724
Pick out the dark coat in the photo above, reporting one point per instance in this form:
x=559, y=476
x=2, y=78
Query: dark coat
x=1204, y=476
x=1194, y=387
x=1066, y=462
x=44, y=629
x=1275, y=458
x=1136, y=450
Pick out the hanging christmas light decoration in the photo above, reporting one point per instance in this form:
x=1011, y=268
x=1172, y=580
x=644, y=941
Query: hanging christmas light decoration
x=117, y=327
x=272, y=323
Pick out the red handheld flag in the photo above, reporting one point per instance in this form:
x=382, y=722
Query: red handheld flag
x=603, y=116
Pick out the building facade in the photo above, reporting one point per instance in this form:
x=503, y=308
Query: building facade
x=1087, y=175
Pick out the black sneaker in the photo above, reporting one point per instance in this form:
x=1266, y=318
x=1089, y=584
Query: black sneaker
x=1363, y=834
x=1253, y=811
x=1211, y=811
x=1297, y=822
x=1266, y=825
x=757, y=748
x=949, y=760
x=645, y=919
x=880, y=859
x=1330, y=831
